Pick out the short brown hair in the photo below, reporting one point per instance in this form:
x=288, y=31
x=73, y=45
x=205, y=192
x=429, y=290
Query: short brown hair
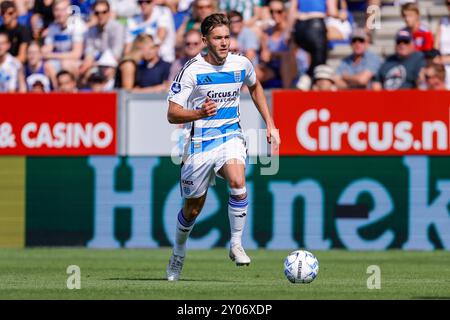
x=410, y=6
x=212, y=21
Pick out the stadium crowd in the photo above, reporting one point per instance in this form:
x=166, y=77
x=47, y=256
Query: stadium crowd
x=140, y=45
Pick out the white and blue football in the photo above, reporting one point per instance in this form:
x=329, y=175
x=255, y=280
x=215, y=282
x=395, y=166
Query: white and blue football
x=301, y=266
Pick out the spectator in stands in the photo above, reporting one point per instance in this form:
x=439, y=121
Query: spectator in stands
x=106, y=36
x=124, y=9
x=323, y=79
x=156, y=21
x=153, y=72
x=41, y=18
x=423, y=38
x=35, y=68
x=250, y=10
x=434, y=75
x=357, y=70
x=307, y=19
x=66, y=82
x=276, y=68
x=11, y=72
x=200, y=10
x=247, y=39
x=36, y=84
x=127, y=69
x=443, y=43
x=192, y=46
x=64, y=42
x=339, y=28
x=400, y=70
x=107, y=66
x=97, y=82
x=19, y=35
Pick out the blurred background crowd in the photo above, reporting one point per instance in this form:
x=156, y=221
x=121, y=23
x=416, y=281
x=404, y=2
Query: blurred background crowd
x=140, y=45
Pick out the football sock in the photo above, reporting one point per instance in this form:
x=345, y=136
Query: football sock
x=237, y=213
x=183, y=230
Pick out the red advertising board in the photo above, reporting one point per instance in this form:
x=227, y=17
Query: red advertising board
x=363, y=122
x=58, y=124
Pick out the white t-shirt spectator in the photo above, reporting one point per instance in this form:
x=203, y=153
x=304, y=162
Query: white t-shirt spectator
x=9, y=74
x=63, y=39
x=161, y=18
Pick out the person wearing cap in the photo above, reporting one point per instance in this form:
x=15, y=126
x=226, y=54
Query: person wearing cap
x=357, y=70
x=400, y=70
x=108, y=34
x=324, y=78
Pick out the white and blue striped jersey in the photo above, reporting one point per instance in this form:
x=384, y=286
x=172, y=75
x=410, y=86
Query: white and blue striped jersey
x=199, y=79
x=63, y=40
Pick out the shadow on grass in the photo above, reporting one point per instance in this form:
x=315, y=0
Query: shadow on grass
x=165, y=279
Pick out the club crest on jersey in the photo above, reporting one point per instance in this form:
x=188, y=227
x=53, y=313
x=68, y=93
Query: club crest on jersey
x=176, y=87
x=237, y=76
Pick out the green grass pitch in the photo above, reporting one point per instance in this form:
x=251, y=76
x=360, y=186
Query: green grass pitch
x=209, y=274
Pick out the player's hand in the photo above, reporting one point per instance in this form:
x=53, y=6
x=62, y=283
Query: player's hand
x=273, y=137
x=209, y=108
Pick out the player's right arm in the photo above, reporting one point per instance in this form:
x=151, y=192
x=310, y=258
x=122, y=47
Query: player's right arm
x=179, y=98
x=177, y=114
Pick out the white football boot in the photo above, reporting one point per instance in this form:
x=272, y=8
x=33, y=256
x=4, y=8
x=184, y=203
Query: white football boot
x=238, y=255
x=174, y=267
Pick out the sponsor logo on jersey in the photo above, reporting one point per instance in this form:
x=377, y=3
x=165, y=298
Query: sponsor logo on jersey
x=223, y=96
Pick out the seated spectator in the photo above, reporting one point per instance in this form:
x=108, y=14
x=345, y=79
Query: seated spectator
x=276, y=68
x=19, y=35
x=357, y=70
x=423, y=38
x=443, y=43
x=153, y=72
x=11, y=72
x=127, y=69
x=323, y=79
x=37, y=83
x=193, y=45
x=247, y=39
x=106, y=35
x=41, y=18
x=35, y=68
x=97, y=82
x=156, y=21
x=339, y=27
x=434, y=76
x=200, y=10
x=107, y=66
x=400, y=70
x=66, y=82
x=250, y=10
x=64, y=42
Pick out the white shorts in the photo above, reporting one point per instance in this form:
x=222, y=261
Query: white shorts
x=204, y=160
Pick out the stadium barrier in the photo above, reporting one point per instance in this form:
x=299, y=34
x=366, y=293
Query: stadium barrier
x=368, y=199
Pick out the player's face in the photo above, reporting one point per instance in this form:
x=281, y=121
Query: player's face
x=218, y=42
x=4, y=45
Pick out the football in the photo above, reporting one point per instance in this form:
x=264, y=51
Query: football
x=301, y=266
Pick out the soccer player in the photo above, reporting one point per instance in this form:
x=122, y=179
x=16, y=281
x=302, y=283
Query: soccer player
x=204, y=96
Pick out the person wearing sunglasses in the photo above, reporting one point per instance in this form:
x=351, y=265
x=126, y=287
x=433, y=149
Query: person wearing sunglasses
x=357, y=70
x=107, y=35
x=192, y=45
x=156, y=21
x=442, y=43
x=402, y=69
x=434, y=76
x=19, y=35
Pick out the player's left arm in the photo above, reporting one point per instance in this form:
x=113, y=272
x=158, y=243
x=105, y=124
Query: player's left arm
x=258, y=97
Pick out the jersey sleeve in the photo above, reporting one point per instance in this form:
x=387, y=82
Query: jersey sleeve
x=250, y=75
x=182, y=88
